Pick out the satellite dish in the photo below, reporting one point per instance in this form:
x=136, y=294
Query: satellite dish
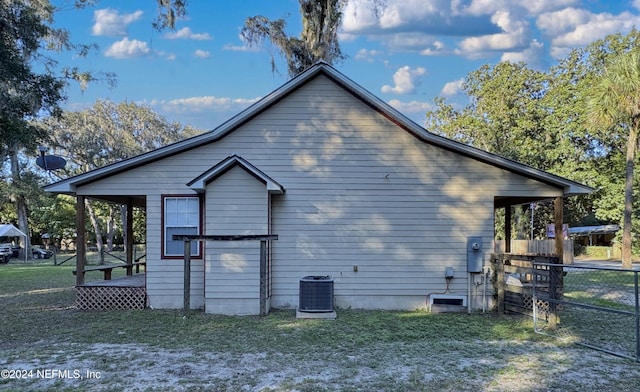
x=50, y=162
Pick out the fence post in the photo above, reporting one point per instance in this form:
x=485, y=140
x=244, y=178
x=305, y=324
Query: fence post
x=555, y=283
x=499, y=271
x=263, y=278
x=187, y=276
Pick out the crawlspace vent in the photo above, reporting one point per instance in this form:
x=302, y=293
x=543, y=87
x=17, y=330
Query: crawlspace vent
x=447, y=303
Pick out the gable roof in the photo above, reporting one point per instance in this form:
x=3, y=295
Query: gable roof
x=9, y=230
x=321, y=68
x=199, y=183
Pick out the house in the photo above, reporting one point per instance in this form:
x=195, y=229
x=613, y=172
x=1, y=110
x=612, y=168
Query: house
x=352, y=188
x=602, y=235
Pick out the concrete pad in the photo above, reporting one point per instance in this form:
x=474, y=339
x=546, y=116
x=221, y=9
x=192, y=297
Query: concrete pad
x=316, y=315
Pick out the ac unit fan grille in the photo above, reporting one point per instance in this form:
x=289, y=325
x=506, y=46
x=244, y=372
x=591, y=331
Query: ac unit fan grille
x=316, y=294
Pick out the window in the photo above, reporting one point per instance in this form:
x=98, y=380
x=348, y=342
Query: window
x=181, y=216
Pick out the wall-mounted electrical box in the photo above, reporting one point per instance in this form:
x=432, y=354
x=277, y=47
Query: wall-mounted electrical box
x=474, y=255
x=449, y=273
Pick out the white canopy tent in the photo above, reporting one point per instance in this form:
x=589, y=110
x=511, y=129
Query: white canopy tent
x=9, y=230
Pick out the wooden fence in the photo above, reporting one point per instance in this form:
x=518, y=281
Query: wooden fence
x=516, y=277
x=540, y=247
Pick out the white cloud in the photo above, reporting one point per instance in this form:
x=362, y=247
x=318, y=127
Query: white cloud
x=202, y=104
x=186, y=33
x=367, y=55
x=405, y=80
x=532, y=8
x=475, y=28
x=436, y=48
x=541, y=6
x=126, y=48
x=202, y=54
x=533, y=56
x=559, y=22
x=109, y=22
x=571, y=27
x=514, y=35
x=452, y=88
x=241, y=48
x=411, y=107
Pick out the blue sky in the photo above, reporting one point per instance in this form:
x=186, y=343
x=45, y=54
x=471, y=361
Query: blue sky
x=203, y=73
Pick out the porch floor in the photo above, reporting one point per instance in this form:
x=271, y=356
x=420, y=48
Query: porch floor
x=136, y=280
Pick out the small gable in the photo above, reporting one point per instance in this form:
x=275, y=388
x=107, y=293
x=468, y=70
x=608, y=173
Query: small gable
x=199, y=183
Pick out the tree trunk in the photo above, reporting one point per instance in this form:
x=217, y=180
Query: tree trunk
x=628, y=195
x=95, y=225
x=21, y=204
x=111, y=229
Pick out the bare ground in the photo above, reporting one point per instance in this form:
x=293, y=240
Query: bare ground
x=481, y=366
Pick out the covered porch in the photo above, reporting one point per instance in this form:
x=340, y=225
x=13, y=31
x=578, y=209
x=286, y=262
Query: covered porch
x=512, y=270
x=119, y=293
x=558, y=248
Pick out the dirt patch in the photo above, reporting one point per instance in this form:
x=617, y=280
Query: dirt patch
x=485, y=366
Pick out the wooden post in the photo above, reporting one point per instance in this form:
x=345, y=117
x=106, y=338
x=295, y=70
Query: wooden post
x=558, y=216
x=187, y=276
x=499, y=271
x=187, y=238
x=129, y=237
x=555, y=273
x=507, y=229
x=263, y=278
x=81, y=243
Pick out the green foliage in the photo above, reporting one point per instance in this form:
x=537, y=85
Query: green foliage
x=103, y=134
x=614, y=106
x=317, y=41
x=543, y=119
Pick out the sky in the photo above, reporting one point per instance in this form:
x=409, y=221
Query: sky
x=203, y=73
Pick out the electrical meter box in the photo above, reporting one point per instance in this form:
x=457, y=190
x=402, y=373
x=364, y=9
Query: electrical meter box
x=474, y=255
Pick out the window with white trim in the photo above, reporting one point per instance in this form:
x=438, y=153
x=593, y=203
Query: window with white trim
x=181, y=216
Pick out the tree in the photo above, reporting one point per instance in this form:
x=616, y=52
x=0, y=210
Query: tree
x=32, y=84
x=168, y=12
x=24, y=92
x=106, y=133
x=318, y=39
x=615, y=103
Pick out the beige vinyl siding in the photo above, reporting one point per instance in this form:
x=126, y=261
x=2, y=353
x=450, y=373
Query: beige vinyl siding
x=360, y=191
x=165, y=277
x=236, y=203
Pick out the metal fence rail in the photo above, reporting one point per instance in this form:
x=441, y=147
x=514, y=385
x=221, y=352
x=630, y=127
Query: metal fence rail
x=597, y=307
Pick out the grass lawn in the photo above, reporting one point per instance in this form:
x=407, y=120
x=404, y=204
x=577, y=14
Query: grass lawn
x=53, y=346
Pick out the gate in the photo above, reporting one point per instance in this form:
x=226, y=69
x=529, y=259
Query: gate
x=596, y=307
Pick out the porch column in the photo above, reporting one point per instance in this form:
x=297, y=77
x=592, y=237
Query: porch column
x=507, y=229
x=558, y=214
x=81, y=241
x=129, y=236
x=555, y=273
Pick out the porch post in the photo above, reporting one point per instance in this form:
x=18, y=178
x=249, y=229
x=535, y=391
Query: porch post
x=558, y=205
x=129, y=237
x=507, y=229
x=81, y=242
x=555, y=273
